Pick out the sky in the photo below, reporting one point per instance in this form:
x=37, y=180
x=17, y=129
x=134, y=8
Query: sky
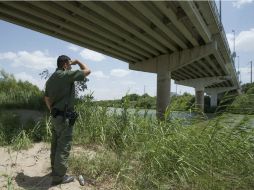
x=26, y=53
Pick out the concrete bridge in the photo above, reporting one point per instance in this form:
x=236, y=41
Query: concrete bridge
x=180, y=40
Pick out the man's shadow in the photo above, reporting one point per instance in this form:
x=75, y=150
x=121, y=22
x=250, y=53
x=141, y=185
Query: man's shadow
x=32, y=183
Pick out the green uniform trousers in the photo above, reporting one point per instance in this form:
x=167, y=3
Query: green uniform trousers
x=60, y=147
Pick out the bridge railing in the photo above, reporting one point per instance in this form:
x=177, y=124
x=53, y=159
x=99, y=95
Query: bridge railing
x=222, y=31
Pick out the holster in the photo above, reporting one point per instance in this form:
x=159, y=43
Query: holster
x=70, y=115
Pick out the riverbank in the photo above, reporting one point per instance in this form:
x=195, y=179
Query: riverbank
x=130, y=151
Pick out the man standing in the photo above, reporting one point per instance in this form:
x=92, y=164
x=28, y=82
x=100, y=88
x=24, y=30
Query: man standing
x=59, y=98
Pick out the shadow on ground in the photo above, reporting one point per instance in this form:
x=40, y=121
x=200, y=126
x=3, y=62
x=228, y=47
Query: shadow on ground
x=32, y=183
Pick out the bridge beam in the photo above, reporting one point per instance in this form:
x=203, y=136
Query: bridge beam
x=197, y=20
x=219, y=90
x=202, y=82
x=177, y=60
x=213, y=93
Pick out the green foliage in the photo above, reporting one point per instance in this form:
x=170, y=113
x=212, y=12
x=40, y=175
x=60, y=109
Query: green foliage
x=233, y=102
x=246, y=87
x=135, y=101
x=10, y=183
x=146, y=102
x=22, y=141
x=9, y=123
x=133, y=97
x=102, y=165
x=20, y=135
x=164, y=155
x=243, y=104
x=250, y=90
x=182, y=103
x=205, y=157
x=177, y=103
x=143, y=153
x=108, y=103
x=18, y=94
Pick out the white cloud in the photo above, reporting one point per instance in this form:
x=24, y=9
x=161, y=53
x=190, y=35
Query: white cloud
x=239, y=3
x=108, y=93
x=26, y=77
x=35, y=60
x=244, y=41
x=92, y=55
x=7, y=55
x=245, y=74
x=245, y=70
x=73, y=48
x=99, y=75
x=230, y=38
x=128, y=83
x=119, y=72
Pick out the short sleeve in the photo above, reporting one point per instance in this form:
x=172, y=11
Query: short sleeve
x=75, y=75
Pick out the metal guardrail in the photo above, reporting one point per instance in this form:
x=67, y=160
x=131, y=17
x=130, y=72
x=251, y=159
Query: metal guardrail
x=222, y=31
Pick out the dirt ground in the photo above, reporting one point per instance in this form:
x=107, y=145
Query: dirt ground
x=30, y=169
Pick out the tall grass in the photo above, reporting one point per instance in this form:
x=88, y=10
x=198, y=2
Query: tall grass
x=143, y=153
x=140, y=152
x=22, y=141
x=20, y=135
x=168, y=154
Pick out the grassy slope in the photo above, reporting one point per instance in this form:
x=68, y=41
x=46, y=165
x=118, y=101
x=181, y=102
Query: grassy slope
x=139, y=153
x=143, y=154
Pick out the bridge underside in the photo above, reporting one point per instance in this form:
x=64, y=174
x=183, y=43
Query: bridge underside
x=200, y=62
x=183, y=37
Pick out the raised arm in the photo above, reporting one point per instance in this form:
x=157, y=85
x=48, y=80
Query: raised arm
x=82, y=66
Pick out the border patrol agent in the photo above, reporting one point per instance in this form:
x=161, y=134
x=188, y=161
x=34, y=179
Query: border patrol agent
x=59, y=98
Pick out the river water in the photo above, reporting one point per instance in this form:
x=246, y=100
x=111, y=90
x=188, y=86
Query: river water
x=152, y=113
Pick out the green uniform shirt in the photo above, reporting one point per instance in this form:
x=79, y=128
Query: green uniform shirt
x=60, y=88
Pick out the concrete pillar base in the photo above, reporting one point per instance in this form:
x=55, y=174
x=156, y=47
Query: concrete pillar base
x=199, y=99
x=163, y=90
x=214, y=100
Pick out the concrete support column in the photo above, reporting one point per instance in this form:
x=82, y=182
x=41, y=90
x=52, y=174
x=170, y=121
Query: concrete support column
x=214, y=100
x=213, y=93
x=163, y=89
x=199, y=99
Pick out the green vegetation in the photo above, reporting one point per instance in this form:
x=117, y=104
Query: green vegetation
x=240, y=104
x=22, y=141
x=230, y=102
x=147, y=154
x=21, y=135
x=183, y=102
x=18, y=94
x=247, y=86
x=103, y=166
x=135, y=101
x=139, y=152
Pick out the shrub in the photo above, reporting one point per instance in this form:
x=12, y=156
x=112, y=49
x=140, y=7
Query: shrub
x=18, y=94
